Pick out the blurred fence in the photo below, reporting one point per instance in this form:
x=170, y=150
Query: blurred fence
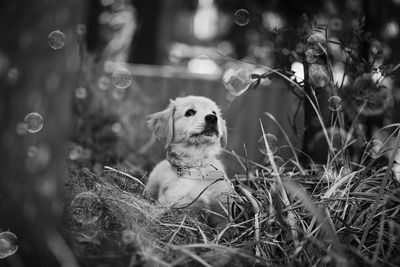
x=155, y=85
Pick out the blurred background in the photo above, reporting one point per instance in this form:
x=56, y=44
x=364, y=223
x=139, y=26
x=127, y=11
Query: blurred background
x=94, y=69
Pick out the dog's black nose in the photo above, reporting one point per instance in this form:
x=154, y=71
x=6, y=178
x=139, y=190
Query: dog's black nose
x=211, y=118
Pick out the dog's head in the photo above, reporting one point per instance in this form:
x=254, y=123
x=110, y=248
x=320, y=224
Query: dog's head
x=190, y=120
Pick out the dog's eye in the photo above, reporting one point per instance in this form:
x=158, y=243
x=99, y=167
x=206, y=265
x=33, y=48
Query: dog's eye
x=215, y=113
x=190, y=112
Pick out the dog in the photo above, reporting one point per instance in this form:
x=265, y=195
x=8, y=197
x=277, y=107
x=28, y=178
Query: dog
x=193, y=132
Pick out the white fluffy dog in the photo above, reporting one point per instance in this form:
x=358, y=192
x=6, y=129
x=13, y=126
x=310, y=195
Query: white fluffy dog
x=193, y=130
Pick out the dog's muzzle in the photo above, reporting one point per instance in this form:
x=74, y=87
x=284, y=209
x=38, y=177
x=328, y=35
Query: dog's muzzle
x=211, y=127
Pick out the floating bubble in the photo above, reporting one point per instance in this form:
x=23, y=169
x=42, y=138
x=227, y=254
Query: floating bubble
x=34, y=122
x=8, y=244
x=56, y=39
x=81, y=93
x=285, y=51
x=242, y=17
x=317, y=37
x=272, y=143
x=116, y=127
x=109, y=66
x=237, y=82
x=86, y=208
x=103, y=83
x=118, y=94
x=311, y=56
x=89, y=231
x=278, y=161
x=121, y=78
x=75, y=153
x=81, y=29
x=13, y=74
x=319, y=76
x=373, y=148
x=273, y=229
x=32, y=151
x=21, y=128
x=335, y=103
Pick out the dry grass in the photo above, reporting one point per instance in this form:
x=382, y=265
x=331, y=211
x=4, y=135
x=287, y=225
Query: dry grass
x=280, y=216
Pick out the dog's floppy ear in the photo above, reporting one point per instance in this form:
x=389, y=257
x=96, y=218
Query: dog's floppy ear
x=224, y=139
x=162, y=123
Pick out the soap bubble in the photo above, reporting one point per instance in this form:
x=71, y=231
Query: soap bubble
x=278, y=161
x=32, y=151
x=56, y=39
x=318, y=76
x=242, y=17
x=374, y=148
x=121, y=78
x=273, y=228
x=34, y=122
x=272, y=143
x=116, y=127
x=118, y=94
x=335, y=103
x=86, y=208
x=21, y=128
x=89, y=231
x=81, y=93
x=13, y=74
x=8, y=244
x=237, y=82
x=316, y=37
x=81, y=29
x=75, y=153
x=103, y=83
x=311, y=55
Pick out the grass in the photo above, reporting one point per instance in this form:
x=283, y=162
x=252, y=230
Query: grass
x=281, y=215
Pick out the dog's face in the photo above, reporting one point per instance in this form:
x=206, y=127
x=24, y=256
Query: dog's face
x=189, y=120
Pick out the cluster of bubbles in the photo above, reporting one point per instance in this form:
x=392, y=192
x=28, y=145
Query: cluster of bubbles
x=8, y=244
x=56, y=39
x=272, y=141
x=86, y=208
x=33, y=122
x=237, y=81
x=242, y=17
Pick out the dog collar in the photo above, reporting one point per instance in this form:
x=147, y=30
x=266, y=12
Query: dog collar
x=199, y=173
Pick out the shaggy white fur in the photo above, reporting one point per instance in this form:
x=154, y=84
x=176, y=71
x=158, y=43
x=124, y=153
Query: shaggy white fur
x=193, y=130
